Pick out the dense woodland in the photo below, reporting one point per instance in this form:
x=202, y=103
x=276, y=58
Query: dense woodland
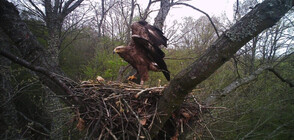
x=246, y=93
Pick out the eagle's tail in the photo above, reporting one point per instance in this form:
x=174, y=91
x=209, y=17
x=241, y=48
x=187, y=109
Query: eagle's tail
x=166, y=74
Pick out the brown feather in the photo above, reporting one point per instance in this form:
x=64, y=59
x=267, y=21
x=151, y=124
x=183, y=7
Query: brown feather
x=143, y=52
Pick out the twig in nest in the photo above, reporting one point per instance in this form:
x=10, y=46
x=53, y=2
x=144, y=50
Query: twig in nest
x=115, y=96
x=139, y=131
x=138, y=119
x=118, y=108
x=101, y=134
x=155, y=112
x=147, y=89
x=106, y=109
x=200, y=106
x=113, y=136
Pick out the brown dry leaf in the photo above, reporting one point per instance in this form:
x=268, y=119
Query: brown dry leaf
x=81, y=124
x=186, y=115
x=143, y=121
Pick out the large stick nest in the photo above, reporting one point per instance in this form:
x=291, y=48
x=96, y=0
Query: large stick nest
x=114, y=110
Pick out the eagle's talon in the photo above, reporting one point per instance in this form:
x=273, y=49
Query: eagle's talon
x=132, y=77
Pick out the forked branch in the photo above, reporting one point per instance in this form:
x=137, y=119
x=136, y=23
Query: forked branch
x=218, y=53
x=188, y=5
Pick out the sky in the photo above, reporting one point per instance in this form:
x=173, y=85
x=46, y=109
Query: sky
x=211, y=7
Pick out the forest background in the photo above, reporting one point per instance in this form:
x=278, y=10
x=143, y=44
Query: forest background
x=249, y=97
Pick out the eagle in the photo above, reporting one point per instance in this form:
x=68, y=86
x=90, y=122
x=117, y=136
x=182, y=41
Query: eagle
x=143, y=52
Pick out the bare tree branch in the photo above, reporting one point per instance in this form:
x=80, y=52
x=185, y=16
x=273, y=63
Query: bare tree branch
x=219, y=52
x=235, y=84
x=175, y=58
x=281, y=77
x=36, y=123
x=37, y=8
x=188, y=5
x=165, y=6
x=34, y=55
x=237, y=8
x=147, y=10
x=241, y=81
x=39, y=69
x=66, y=9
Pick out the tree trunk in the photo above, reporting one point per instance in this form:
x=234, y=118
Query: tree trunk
x=54, y=16
x=161, y=16
x=8, y=115
x=263, y=16
x=130, y=21
x=30, y=50
x=53, y=22
x=53, y=48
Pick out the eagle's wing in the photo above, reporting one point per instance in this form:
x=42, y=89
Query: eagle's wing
x=153, y=53
x=151, y=34
x=149, y=38
x=156, y=36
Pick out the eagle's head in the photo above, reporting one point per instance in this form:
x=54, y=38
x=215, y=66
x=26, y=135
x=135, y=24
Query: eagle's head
x=119, y=49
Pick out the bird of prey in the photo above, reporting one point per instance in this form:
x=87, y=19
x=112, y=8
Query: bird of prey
x=143, y=52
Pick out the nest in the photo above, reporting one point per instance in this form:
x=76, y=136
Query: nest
x=114, y=110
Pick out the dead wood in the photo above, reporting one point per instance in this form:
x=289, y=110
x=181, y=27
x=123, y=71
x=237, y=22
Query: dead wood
x=114, y=110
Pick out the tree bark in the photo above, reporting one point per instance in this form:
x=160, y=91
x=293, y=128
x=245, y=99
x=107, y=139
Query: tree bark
x=8, y=112
x=130, y=21
x=51, y=101
x=54, y=17
x=30, y=50
x=161, y=16
x=263, y=16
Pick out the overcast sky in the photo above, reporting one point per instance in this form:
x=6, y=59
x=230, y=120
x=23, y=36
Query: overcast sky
x=211, y=7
